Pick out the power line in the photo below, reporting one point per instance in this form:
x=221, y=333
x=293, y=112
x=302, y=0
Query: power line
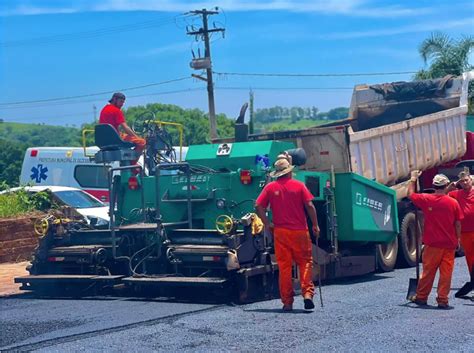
x=218, y=88
x=90, y=34
x=314, y=75
x=95, y=94
x=53, y=116
x=54, y=104
x=284, y=88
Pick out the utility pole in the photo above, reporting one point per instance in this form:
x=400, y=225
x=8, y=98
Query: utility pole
x=206, y=63
x=95, y=113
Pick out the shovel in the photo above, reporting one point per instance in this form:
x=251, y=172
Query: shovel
x=319, y=273
x=467, y=288
x=413, y=283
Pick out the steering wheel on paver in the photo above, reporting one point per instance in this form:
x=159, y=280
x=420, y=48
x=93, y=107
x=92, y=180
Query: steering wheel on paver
x=224, y=224
x=143, y=122
x=41, y=226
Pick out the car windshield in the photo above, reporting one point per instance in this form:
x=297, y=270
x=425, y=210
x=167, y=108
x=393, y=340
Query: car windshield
x=78, y=199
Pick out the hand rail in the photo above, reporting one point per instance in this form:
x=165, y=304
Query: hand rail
x=180, y=128
x=84, y=133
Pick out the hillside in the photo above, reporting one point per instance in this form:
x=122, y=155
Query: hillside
x=40, y=135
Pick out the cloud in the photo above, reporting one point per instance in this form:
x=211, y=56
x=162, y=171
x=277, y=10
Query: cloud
x=27, y=10
x=362, y=8
x=416, y=28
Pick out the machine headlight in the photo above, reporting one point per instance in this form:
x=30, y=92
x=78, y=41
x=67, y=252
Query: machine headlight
x=97, y=222
x=102, y=222
x=220, y=204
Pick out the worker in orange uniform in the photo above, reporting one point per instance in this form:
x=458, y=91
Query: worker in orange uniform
x=288, y=200
x=442, y=230
x=112, y=114
x=465, y=198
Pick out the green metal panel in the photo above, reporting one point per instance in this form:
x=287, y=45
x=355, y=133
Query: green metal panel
x=315, y=181
x=366, y=210
x=207, y=188
x=241, y=154
x=470, y=123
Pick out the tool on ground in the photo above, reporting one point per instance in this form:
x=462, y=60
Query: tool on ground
x=319, y=272
x=466, y=288
x=413, y=282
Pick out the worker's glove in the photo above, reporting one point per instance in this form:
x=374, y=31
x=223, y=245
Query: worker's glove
x=415, y=175
x=452, y=186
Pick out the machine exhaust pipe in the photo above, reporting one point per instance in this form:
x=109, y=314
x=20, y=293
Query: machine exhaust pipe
x=241, y=129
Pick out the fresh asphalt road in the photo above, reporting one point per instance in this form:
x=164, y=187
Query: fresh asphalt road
x=367, y=314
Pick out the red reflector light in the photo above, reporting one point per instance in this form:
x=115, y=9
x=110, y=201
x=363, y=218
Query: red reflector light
x=55, y=259
x=245, y=177
x=133, y=183
x=216, y=258
x=34, y=153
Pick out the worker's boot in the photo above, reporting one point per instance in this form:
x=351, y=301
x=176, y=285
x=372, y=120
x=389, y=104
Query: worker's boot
x=308, y=303
x=466, y=289
x=287, y=307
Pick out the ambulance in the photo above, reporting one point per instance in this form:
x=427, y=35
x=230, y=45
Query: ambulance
x=65, y=166
x=69, y=166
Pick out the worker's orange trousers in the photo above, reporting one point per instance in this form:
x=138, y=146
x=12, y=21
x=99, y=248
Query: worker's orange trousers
x=434, y=259
x=138, y=141
x=293, y=246
x=467, y=242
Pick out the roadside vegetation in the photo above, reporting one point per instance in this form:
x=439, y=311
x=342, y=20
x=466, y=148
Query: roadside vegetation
x=21, y=202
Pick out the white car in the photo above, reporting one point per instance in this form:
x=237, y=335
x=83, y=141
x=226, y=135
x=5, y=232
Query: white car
x=94, y=211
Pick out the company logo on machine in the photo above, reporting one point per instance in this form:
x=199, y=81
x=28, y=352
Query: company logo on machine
x=194, y=179
x=368, y=202
x=224, y=149
x=38, y=173
x=387, y=215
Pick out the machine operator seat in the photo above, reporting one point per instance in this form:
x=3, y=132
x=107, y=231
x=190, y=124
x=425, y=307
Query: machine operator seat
x=112, y=147
x=107, y=138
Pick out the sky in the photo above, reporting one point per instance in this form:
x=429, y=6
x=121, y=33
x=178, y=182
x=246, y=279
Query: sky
x=51, y=50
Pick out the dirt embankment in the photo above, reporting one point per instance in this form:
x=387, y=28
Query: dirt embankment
x=17, y=238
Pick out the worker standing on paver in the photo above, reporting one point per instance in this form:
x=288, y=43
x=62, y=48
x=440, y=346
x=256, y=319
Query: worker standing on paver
x=112, y=114
x=465, y=198
x=288, y=200
x=442, y=230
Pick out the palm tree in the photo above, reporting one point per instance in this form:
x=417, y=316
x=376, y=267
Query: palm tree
x=445, y=56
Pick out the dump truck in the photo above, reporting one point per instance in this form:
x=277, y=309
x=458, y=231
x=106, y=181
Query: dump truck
x=391, y=130
x=187, y=227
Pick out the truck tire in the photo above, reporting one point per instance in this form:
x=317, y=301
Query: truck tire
x=386, y=255
x=406, y=241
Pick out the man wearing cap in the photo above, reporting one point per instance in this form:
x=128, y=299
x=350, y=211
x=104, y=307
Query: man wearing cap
x=288, y=200
x=112, y=114
x=441, y=233
x=465, y=198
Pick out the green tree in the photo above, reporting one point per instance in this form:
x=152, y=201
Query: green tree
x=11, y=158
x=338, y=113
x=445, y=56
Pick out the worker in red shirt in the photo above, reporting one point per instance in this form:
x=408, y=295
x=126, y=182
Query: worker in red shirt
x=465, y=198
x=442, y=230
x=112, y=114
x=288, y=200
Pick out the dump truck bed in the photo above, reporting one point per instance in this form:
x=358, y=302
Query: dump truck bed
x=387, y=153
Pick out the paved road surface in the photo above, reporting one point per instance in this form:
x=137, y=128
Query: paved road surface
x=368, y=314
